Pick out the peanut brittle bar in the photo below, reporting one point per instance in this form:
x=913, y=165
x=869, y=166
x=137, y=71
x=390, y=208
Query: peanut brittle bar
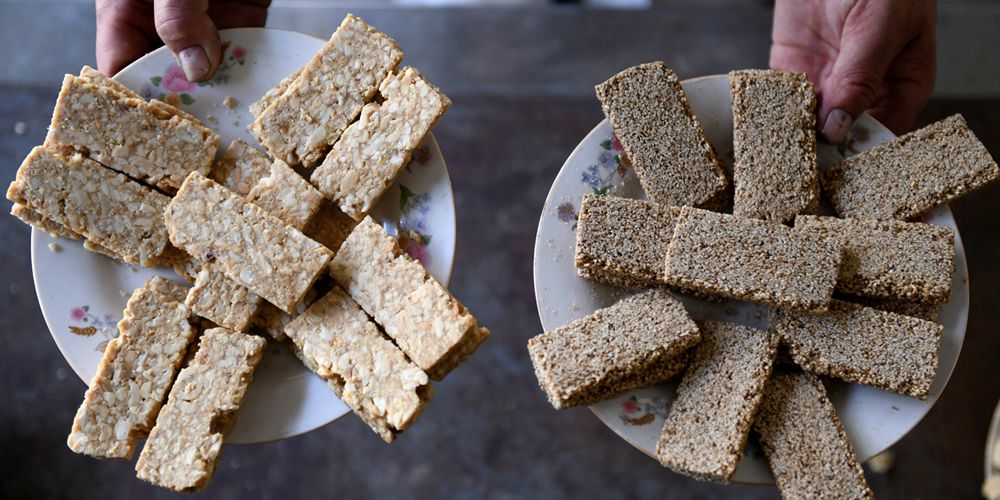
x=151, y=143
x=248, y=245
x=623, y=242
x=614, y=350
x=338, y=342
x=103, y=206
x=774, y=144
x=186, y=442
x=222, y=301
x=804, y=443
x=750, y=259
x=301, y=124
x=274, y=93
x=286, y=195
x=33, y=218
x=330, y=226
x=433, y=328
x=863, y=345
x=240, y=167
x=911, y=174
x=707, y=426
x=134, y=376
x=373, y=150
x=650, y=115
x=889, y=259
x=168, y=288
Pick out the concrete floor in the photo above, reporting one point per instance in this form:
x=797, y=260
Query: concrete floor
x=520, y=80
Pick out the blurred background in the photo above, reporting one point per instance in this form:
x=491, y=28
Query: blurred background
x=521, y=75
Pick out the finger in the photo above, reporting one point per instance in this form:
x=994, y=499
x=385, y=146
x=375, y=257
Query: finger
x=239, y=14
x=908, y=85
x=185, y=27
x=123, y=29
x=867, y=48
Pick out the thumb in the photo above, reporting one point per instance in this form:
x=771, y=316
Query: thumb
x=855, y=81
x=185, y=27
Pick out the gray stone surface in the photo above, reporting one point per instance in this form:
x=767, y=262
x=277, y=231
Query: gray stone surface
x=488, y=433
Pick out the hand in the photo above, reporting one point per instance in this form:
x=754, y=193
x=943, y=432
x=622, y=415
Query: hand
x=862, y=55
x=127, y=29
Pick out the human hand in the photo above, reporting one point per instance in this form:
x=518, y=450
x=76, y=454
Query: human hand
x=127, y=29
x=862, y=55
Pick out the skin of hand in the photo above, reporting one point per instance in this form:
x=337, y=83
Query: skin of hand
x=127, y=29
x=876, y=56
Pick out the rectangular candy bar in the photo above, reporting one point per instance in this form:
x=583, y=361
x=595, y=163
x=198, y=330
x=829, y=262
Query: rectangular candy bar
x=373, y=150
x=330, y=226
x=889, y=259
x=184, y=446
x=250, y=246
x=433, y=328
x=863, y=345
x=33, y=218
x=101, y=205
x=650, y=115
x=707, y=426
x=338, y=342
x=134, y=376
x=911, y=174
x=804, y=442
x=301, y=124
x=151, y=143
x=222, y=301
x=286, y=195
x=774, y=144
x=749, y=259
x=240, y=167
x=623, y=242
x=637, y=342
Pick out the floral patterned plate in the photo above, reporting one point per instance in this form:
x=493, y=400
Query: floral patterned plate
x=874, y=419
x=82, y=294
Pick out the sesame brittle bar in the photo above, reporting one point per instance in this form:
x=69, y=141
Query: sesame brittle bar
x=186, y=442
x=623, y=242
x=248, y=245
x=338, y=342
x=650, y=115
x=774, y=144
x=134, y=376
x=373, y=150
x=804, y=442
x=433, y=328
x=300, y=124
x=105, y=207
x=707, y=426
x=889, y=259
x=911, y=174
x=863, y=345
x=152, y=143
x=616, y=349
x=750, y=259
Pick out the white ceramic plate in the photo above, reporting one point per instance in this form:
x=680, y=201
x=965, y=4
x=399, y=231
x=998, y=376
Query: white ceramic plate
x=84, y=292
x=873, y=419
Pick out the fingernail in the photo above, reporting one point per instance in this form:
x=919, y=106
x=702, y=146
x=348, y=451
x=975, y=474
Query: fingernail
x=194, y=63
x=838, y=122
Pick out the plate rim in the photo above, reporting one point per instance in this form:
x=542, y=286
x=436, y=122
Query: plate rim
x=963, y=315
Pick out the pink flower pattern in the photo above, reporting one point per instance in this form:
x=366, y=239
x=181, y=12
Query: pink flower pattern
x=175, y=81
